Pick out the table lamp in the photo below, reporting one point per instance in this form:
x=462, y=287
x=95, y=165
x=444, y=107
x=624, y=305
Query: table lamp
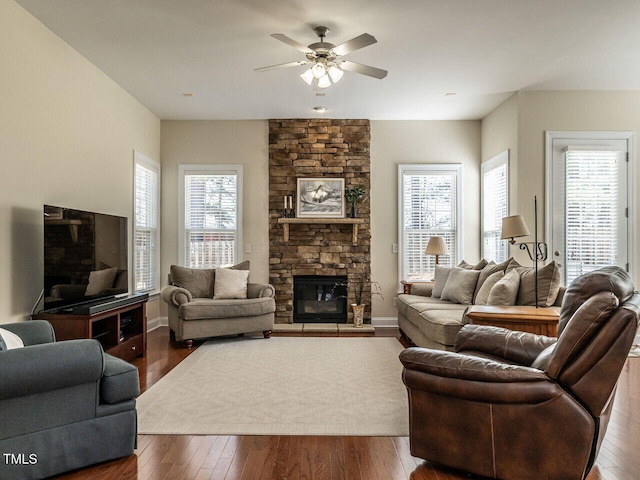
x=436, y=246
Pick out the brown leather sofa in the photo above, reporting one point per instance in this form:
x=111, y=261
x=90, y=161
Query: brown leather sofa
x=514, y=405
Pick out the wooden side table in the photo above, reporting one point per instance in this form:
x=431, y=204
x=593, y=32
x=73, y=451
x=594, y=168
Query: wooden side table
x=406, y=284
x=541, y=320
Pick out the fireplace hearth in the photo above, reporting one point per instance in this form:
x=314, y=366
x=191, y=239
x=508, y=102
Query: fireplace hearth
x=319, y=299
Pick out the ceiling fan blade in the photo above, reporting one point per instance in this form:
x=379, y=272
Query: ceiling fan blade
x=281, y=65
x=363, y=69
x=354, y=44
x=291, y=42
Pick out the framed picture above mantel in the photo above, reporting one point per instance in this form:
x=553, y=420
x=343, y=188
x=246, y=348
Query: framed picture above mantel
x=320, y=198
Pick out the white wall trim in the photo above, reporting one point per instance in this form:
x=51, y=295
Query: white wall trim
x=157, y=323
x=630, y=138
x=432, y=168
x=154, y=166
x=209, y=169
x=486, y=166
x=384, y=321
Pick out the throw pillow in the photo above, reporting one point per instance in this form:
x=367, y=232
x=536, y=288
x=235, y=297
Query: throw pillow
x=230, y=283
x=198, y=281
x=488, y=270
x=460, y=286
x=465, y=265
x=100, y=280
x=505, y=291
x=242, y=265
x=440, y=280
x=478, y=266
x=482, y=293
x=548, y=284
x=9, y=340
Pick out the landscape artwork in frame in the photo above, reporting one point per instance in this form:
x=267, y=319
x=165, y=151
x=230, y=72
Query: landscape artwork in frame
x=320, y=198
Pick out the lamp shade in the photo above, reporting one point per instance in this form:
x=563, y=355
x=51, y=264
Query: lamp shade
x=513, y=227
x=436, y=246
x=335, y=73
x=307, y=76
x=324, y=82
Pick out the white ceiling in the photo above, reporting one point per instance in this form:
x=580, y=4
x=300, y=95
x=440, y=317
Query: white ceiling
x=483, y=50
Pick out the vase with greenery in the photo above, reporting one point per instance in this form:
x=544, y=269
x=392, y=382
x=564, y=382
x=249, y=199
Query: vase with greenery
x=353, y=195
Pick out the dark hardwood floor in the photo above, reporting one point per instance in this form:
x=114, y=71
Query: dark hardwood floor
x=313, y=457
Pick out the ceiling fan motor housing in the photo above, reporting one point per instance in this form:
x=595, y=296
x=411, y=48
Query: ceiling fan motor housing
x=321, y=49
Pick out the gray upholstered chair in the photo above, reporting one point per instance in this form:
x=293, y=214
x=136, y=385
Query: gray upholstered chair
x=63, y=405
x=200, y=307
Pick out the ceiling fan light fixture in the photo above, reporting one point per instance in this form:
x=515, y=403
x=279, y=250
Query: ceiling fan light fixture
x=324, y=59
x=335, y=73
x=319, y=70
x=324, y=81
x=307, y=76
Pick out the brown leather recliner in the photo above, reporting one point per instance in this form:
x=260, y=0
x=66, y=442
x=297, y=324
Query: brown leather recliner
x=514, y=405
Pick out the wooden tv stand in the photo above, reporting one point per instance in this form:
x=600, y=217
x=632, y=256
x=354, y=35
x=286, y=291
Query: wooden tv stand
x=122, y=330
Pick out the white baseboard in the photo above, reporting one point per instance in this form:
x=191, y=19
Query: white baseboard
x=384, y=321
x=157, y=322
x=375, y=321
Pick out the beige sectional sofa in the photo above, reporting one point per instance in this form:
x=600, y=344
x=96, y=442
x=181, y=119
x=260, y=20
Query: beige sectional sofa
x=433, y=313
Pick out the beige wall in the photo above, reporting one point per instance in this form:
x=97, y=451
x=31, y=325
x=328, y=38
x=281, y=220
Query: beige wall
x=67, y=135
x=499, y=133
x=400, y=142
x=219, y=142
x=542, y=111
x=520, y=124
x=392, y=142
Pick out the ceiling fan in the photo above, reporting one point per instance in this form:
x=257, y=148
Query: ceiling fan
x=327, y=66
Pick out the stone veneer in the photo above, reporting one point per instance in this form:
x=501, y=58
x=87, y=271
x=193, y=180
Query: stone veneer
x=317, y=148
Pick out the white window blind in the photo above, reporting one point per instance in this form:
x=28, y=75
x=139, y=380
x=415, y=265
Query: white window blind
x=495, y=194
x=147, y=220
x=429, y=206
x=211, y=217
x=592, y=206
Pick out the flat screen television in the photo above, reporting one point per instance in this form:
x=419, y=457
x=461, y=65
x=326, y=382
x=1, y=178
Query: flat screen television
x=85, y=256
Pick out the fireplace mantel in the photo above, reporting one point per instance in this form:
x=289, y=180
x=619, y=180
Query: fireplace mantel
x=354, y=222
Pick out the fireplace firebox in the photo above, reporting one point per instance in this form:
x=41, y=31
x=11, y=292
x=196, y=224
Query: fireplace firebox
x=319, y=299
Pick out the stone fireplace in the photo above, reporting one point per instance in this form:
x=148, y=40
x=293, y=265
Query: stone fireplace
x=317, y=148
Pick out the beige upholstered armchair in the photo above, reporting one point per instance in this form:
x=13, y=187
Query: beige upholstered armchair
x=206, y=303
x=516, y=405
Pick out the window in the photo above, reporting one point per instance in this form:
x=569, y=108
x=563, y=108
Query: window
x=210, y=215
x=146, y=241
x=429, y=205
x=588, y=213
x=495, y=198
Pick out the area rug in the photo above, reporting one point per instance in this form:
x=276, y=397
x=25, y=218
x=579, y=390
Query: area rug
x=281, y=386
